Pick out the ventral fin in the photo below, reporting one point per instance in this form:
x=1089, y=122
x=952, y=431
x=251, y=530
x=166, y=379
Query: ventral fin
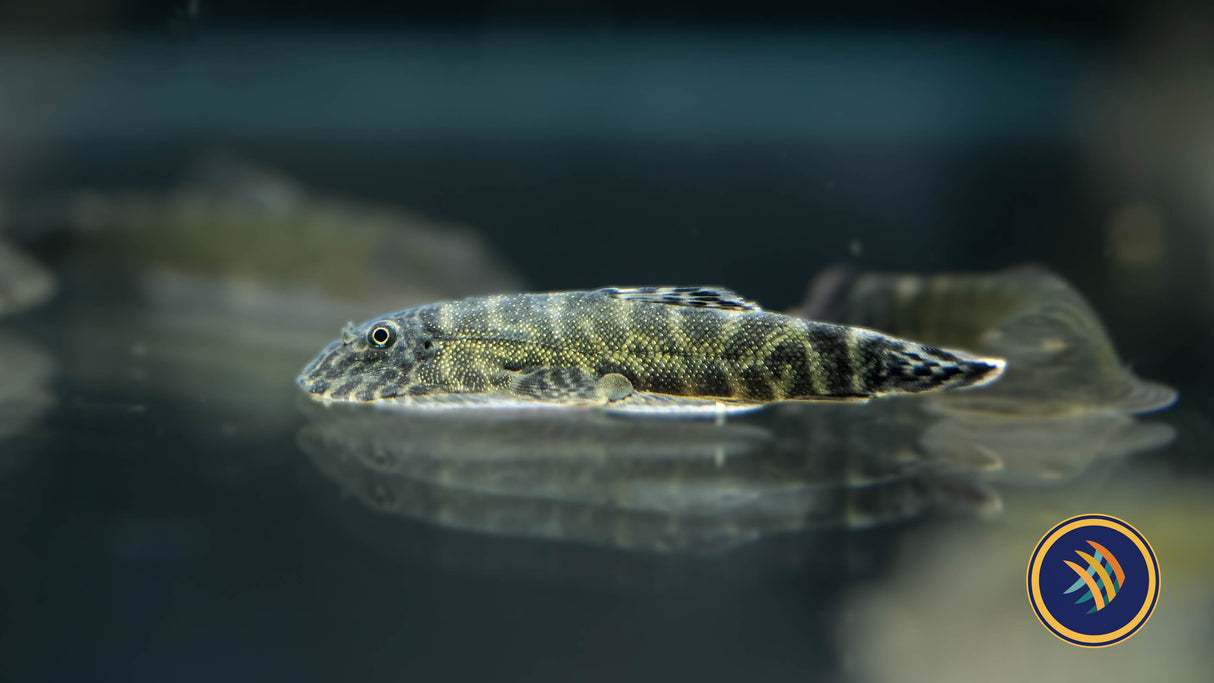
x=693, y=297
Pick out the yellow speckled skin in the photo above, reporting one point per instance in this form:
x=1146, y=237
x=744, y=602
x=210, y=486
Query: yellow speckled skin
x=604, y=345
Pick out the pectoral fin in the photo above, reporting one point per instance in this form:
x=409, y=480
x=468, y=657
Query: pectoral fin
x=568, y=385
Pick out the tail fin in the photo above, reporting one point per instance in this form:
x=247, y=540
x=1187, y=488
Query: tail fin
x=915, y=368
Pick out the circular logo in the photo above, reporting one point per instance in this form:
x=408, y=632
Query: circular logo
x=1093, y=580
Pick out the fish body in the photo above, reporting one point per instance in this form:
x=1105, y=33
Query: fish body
x=652, y=349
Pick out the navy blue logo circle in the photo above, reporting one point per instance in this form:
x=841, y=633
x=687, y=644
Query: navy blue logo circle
x=1093, y=580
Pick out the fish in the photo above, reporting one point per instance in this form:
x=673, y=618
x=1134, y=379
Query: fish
x=646, y=350
x=788, y=481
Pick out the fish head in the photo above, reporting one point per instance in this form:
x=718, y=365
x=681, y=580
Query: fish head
x=373, y=361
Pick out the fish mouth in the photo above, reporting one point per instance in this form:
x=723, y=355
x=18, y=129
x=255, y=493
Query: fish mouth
x=337, y=375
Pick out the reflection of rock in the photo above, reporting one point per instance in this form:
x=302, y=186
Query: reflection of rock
x=216, y=293
x=957, y=604
x=1065, y=404
x=1059, y=358
x=25, y=392
x=641, y=484
x=1035, y=449
x=1065, y=400
x=248, y=242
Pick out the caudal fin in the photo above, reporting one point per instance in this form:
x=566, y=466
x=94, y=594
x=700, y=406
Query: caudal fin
x=915, y=368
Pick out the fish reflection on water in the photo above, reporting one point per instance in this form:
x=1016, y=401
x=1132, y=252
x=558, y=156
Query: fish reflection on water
x=653, y=485
x=672, y=486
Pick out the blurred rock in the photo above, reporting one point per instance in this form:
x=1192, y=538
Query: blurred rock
x=235, y=239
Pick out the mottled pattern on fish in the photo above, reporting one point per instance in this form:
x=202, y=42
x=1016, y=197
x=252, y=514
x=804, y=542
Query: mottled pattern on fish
x=612, y=345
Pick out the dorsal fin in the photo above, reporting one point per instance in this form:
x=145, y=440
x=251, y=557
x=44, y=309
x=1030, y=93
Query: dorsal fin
x=694, y=297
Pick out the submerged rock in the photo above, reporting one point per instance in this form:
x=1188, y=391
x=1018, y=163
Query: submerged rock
x=244, y=240
x=1060, y=359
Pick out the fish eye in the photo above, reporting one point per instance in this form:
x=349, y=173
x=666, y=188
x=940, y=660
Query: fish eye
x=382, y=335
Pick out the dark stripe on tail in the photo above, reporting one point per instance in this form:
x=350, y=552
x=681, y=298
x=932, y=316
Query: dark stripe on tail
x=832, y=350
x=915, y=368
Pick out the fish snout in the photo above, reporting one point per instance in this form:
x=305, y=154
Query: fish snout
x=317, y=375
